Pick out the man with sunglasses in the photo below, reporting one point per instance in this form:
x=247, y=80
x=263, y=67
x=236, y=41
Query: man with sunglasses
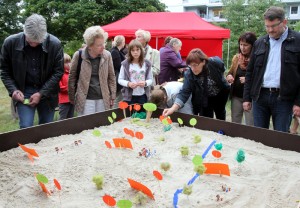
x=272, y=86
x=32, y=64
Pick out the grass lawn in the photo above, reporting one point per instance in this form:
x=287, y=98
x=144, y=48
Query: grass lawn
x=7, y=122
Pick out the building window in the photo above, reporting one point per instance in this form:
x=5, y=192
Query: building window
x=217, y=12
x=294, y=10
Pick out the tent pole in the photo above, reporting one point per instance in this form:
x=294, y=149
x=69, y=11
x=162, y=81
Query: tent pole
x=228, y=52
x=156, y=43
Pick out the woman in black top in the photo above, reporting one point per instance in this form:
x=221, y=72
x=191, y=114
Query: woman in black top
x=118, y=56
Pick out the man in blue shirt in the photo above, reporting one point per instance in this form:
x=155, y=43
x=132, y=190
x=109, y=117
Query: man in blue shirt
x=272, y=86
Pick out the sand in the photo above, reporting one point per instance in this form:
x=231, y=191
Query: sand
x=269, y=177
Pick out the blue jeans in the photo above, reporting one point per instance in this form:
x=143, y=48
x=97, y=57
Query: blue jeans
x=269, y=104
x=26, y=112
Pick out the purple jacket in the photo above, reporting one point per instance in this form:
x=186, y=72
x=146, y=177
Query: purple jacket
x=169, y=65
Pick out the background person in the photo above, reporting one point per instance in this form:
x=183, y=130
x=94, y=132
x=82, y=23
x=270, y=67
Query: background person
x=171, y=66
x=272, y=85
x=118, y=56
x=236, y=77
x=135, y=75
x=203, y=80
x=66, y=109
x=95, y=90
x=149, y=53
x=164, y=96
x=34, y=77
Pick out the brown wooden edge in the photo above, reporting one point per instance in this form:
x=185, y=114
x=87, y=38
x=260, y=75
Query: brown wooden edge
x=35, y=134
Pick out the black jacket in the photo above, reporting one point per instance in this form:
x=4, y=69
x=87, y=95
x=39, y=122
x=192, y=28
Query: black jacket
x=192, y=84
x=13, y=62
x=290, y=68
x=117, y=57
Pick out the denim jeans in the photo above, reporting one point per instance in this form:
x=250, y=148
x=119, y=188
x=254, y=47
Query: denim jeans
x=269, y=104
x=26, y=112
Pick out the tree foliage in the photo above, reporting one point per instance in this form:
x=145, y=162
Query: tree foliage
x=242, y=17
x=10, y=18
x=68, y=19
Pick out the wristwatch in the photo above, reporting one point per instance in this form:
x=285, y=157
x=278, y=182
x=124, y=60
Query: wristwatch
x=145, y=84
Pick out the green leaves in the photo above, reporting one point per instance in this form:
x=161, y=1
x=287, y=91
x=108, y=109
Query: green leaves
x=41, y=178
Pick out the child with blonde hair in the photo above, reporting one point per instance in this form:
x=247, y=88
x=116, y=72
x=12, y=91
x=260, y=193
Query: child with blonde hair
x=66, y=109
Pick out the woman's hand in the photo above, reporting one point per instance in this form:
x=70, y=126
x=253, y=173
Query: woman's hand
x=230, y=79
x=242, y=80
x=132, y=85
x=169, y=111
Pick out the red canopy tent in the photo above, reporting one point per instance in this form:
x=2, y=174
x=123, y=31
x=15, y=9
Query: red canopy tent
x=192, y=30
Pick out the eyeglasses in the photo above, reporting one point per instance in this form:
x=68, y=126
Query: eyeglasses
x=193, y=65
x=273, y=26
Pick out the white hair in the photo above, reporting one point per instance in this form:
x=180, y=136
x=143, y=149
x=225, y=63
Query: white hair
x=144, y=33
x=175, y=41
x=35, y=28
x=118, y=40
x=92, y=33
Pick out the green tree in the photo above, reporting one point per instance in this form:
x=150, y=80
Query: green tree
x=9, y=18
x=68, y=19
x=242, y=17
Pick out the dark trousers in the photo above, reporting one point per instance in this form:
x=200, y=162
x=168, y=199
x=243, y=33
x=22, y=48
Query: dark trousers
x=137, y=99
x=217, y=105
x=269, y=104
x=66, y=110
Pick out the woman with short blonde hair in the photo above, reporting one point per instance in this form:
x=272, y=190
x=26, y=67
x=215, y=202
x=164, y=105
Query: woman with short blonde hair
x=95, y=84
x=150, y=54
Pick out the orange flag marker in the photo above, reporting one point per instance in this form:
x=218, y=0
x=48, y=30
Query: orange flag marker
x=216, y=153
x=122, y=143
x=136, y=107
x=57, y=184
x=157, y=175
x=123, y=105
x=28, y=150
x=30, y=157
x=109, y=200
x=44, y=188
x=140, y=187
x=108, y=145
x=217, y=168
x=139, y=135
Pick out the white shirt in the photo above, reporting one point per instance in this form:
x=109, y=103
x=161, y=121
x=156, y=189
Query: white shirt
x=273, y=68
x=136, y=74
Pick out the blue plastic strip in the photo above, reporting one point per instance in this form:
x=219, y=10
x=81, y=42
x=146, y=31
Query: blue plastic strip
x=179, y=191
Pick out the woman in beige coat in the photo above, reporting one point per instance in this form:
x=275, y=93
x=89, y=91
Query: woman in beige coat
x=95, y=89
x=150, y=53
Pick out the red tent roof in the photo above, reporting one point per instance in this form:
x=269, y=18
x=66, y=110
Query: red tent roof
x=162, y=24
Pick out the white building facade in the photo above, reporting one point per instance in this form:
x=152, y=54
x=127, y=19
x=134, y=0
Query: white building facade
x=212, y=10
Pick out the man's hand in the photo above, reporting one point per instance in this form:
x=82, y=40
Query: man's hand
x=18, y=96
x=247, y=106
x=35, y=99
x=296, y=110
